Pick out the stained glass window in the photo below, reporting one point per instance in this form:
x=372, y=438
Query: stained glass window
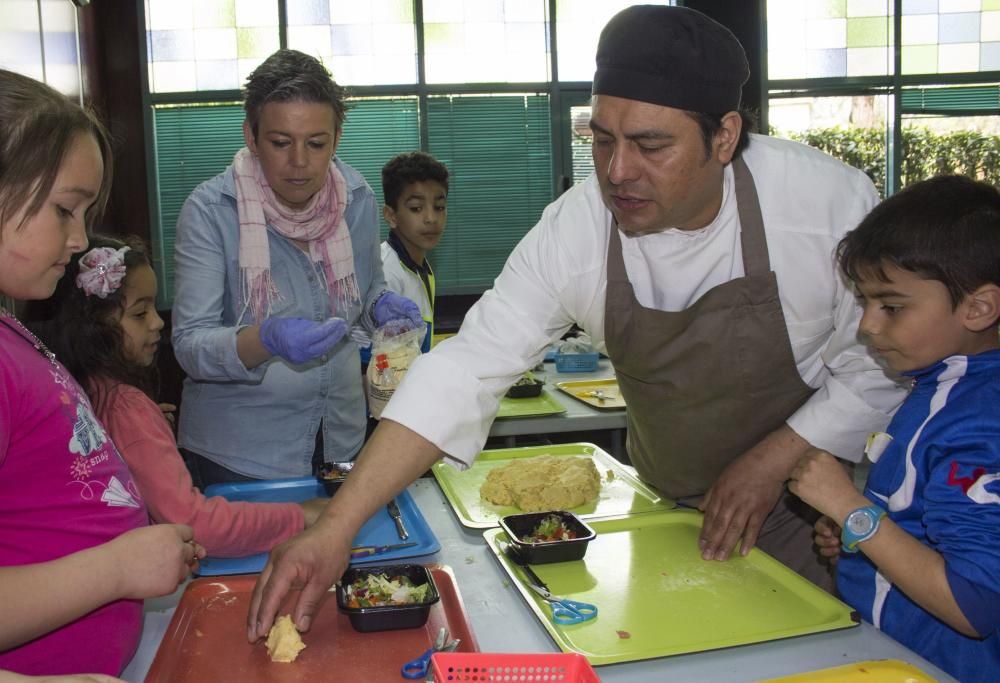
x=362, y=43
x=828, y=38
x=38, y=38
x=207, y=44
x=579, y=24
x=485, y=41
x=949, y=36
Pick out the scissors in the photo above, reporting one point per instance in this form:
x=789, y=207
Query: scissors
x=417, y=668
x=564, y=611
x=361, y=551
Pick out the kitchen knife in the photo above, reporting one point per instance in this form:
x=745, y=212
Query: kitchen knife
x=369, y=550
x=393, y=510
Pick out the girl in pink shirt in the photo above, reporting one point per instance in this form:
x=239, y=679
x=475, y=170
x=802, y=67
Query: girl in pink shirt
x=102, y=322
x=76, y=553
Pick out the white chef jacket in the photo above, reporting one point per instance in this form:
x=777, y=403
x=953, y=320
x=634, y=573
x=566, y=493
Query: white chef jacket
x=557, y=276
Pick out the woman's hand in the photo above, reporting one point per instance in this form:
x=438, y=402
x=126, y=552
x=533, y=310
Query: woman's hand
x=298, y=340
x=392, y=306
x=154, y=560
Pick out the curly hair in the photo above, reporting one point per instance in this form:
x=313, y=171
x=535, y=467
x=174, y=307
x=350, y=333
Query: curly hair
x=39, y=126
x=84, y=331
x=291, y=76
x=946, y=228
x=410, y=167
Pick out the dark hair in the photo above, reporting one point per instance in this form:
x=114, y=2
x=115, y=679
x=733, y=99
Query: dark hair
x=410, y=167
x=711, y=123
x=291, y=76
x=37, y=127
x=946, y=228
x=84, y=331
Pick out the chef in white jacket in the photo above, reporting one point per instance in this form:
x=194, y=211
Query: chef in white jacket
x=700, y=259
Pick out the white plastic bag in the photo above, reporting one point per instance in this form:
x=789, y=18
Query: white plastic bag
x=394, y=348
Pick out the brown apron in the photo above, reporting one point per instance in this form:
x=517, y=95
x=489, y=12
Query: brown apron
x=704, y=384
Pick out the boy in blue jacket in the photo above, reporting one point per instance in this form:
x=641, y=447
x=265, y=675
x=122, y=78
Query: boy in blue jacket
x=919, y=552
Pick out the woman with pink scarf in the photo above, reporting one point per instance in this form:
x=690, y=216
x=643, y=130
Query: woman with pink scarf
x=277, y=264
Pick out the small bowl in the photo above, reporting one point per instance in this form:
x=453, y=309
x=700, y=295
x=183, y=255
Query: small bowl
x=520, y=526
x=388, y=617
x=527, y=390
x=332, y=474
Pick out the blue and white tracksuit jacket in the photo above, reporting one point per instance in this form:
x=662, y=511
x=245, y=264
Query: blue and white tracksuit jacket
x=939, y=480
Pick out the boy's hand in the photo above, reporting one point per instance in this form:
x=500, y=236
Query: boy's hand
x=821, y=481
x=827, y=538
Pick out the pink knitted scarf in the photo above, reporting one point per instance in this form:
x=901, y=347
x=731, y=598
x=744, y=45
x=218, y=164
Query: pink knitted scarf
x=320, y=223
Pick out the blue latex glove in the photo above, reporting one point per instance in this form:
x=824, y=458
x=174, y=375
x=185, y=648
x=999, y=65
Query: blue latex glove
x=298, y=340
x=392, y=306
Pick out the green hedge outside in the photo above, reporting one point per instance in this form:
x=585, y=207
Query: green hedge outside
x=925, y=153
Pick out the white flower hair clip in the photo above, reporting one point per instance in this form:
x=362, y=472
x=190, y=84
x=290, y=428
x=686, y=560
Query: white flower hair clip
x=102, y=270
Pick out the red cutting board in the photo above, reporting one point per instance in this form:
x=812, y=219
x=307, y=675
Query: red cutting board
x=206, y=639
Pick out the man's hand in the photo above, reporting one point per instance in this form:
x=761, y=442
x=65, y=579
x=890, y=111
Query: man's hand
x=310, y=562
x=746, y=492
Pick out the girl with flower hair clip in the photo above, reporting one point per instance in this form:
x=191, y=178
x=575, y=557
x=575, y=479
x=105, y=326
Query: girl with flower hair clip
x=102, y=322
x=77, y=554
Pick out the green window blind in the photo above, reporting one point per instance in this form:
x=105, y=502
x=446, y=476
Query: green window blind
x=970, y=99
x=498, y=153
x=193, y=144
x=376, y=130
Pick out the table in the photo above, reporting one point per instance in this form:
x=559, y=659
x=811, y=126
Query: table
x=503, y=622
x=579, y=417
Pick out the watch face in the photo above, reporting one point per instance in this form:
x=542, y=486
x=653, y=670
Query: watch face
x=859, y=523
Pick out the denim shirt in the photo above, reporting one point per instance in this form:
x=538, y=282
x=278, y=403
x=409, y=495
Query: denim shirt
x=262, y=422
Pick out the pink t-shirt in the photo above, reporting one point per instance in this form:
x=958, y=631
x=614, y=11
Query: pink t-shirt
x=63, y=488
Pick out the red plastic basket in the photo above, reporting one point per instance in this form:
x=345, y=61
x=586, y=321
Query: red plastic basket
x=563, y=667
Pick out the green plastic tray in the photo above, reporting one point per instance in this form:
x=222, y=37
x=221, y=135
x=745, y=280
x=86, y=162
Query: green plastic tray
x=623, y=494
x=543, y=404
x=657, y=597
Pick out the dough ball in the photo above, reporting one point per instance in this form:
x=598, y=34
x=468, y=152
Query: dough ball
x=283, y=641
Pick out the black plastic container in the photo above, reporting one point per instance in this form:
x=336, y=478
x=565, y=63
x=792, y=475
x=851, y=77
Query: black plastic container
x=522, y=525
x=388, y=617
x=332, y=475
x=527, y=390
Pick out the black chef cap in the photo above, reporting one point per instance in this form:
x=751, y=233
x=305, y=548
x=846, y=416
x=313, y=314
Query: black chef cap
x=671, y=56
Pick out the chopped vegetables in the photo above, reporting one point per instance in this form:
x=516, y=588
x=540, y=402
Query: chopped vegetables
x=525, y=379
x=551, y=528
x=375, y=590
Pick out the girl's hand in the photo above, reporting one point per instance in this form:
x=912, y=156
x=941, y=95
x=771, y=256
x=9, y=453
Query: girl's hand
x=827, y=538
x=313, y=508
x=169, y=411
x=154, y=560
x=821, y=481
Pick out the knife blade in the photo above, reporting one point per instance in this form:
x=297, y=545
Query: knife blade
x=393, y=510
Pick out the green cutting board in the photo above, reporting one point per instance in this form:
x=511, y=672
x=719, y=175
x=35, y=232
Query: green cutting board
x=657, y=597
x=621, y=493
x=543, y=404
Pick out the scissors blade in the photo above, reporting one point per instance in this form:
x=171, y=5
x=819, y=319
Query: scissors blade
x=369, y=550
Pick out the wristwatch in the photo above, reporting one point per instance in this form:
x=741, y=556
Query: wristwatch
x=860, y=525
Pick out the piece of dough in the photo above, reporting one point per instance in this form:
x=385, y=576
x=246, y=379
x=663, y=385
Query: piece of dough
x=546, y=482
x=283, y=641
